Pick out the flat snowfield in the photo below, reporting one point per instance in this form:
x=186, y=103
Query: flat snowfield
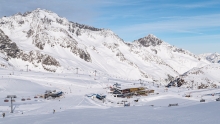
x=74, y=107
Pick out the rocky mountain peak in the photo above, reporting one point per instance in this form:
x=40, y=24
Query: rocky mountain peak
x=149, y=40
x=47, y=41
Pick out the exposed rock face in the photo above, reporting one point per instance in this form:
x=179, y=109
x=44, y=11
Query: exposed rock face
x=11, y=50
x=47, y=40
x=7, y=46
x=48, y=61
x=179, y=50
x=30, y=33
x=177, y=82
x=73, y=26
x=44, y=30
x=36, y=58
x=150, y=40
x=82, y=53
x=199, y=78
x=40, y=32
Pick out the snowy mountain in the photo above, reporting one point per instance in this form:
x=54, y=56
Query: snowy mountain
x=179, y=59
x=99, y=75
x=46, y=42
x=201, y=78
x=212, y=57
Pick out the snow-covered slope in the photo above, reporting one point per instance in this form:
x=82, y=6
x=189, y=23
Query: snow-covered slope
x=179, y=59
x=44, y=42
x=212, y=57
x=75, y=107
x=201, y=78
x=47, y=42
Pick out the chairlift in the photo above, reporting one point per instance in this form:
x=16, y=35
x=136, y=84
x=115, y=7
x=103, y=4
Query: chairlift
x=13, y=100
x=28, y=98
x=23, y=99
x=187, y=95
x=6, y=100
x=35, y=97
x=218, y=99
x=202, y=100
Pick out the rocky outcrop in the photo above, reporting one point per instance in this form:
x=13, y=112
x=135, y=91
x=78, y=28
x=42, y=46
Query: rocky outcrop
x=11, y=50
x=177, y=82
x=7, y=46
x=149, y=40
x=30, y=33
x=73, y=26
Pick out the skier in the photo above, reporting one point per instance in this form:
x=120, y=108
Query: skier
x=3, y=114
x=53, y=111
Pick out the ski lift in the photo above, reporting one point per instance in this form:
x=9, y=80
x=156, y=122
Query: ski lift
x=23, y=99
x=202, y=100
x=35, y=97
x=6, y=100
x=28, y=98
x=218, y=99
x=187, y=95
x=13, y=100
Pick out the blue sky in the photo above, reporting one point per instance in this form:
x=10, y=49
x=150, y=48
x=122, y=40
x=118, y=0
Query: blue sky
x=194, y=26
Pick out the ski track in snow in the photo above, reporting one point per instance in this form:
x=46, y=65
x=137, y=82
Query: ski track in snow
x=74, y=101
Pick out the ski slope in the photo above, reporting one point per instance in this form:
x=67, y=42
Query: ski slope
x=42, y=51
x=76, y=107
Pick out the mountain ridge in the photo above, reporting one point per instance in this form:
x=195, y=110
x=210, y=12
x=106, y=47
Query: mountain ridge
x=211, y=57
x=68, y=44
